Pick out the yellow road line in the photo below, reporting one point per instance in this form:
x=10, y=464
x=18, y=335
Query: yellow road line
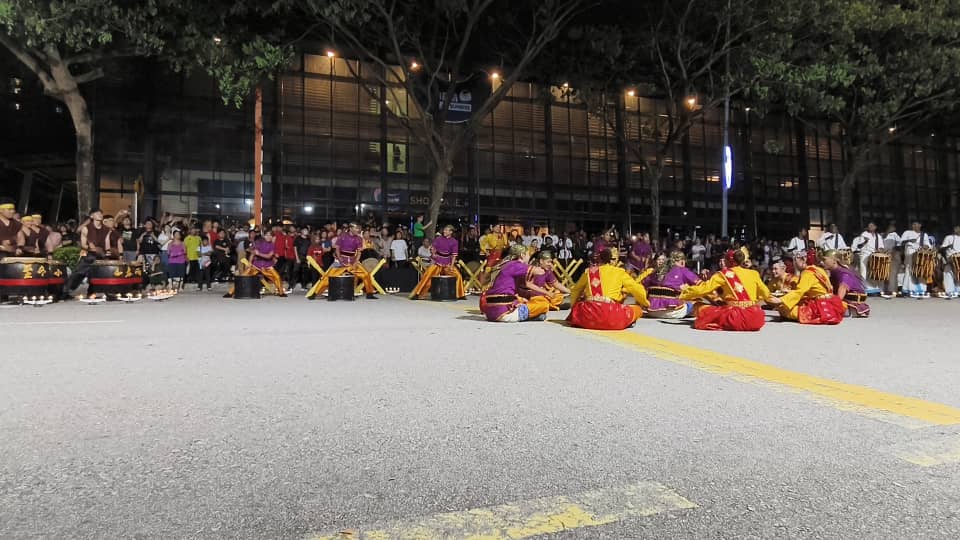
x=526, y=519
x=903, y=410
x=929, y=453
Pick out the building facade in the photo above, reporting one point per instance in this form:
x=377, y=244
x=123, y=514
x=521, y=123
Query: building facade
x=332, y=153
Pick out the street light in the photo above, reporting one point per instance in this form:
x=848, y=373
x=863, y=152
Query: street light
x=494, y=75
x=631, y=93
x=308, y=209
x=691, y=102
x=331, y=54
x=414, y=66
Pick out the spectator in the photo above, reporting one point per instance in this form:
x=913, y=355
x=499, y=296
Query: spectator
x=127, y=239
x=424, y=253
x=206, y=263
x=176, y=260
x=148, y=247
x=398, y=251
x=192, y=244
x=419, y=229
x=301, y=244
x=164, y=239
x=470, y=247
x=221, y=256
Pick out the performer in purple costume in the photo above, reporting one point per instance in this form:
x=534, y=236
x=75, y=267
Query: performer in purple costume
x=500, y=303
x=848, y=285
x=665, y=294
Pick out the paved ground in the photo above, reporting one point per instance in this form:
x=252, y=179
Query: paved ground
x=202, y=417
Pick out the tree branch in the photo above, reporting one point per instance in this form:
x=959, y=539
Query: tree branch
x=91, y=75
x=29, y=59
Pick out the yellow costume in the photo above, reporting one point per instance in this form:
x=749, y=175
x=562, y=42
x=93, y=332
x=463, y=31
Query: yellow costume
x=754, y=287
x=268, y=276
x=597, y=299
x=432, y=271
x=358, y=271
x=616, y=284
x=814, y=292
x=740, y=289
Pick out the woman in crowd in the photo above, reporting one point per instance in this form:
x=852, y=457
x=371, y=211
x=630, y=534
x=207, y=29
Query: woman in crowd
x=176, y=260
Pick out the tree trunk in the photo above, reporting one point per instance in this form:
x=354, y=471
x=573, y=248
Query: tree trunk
x=438, y=186
x=654, y=176
x=68, y=91
x=846, y=202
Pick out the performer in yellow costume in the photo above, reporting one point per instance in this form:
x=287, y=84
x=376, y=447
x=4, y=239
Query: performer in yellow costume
x=597, y=298
x=813, y=301
x=347, y=259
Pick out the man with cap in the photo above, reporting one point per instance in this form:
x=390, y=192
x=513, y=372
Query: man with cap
x=11, y=230
x=346, y=259
x=597, y=299
x=813, y=301
x=740, y=290
x=443, y=255
x=847, y=285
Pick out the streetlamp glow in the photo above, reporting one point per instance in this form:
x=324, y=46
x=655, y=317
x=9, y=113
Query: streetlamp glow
x=414, y=66
x=691, y=102
x=494, y=75
x=331, y=54
x=631, y=93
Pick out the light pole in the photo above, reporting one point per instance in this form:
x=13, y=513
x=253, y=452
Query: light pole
x=727, y=158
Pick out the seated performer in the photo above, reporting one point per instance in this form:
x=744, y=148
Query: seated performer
x=741, y=290
x=545, y=283
x=813, y=301
x=598, y=297
x=443, y=255
x=781, y=281
x=96, y=242
x=847, y=285
x=264, y=259
x=347, y=259
x=501, y=303
x=664, y=295
x=31, y=238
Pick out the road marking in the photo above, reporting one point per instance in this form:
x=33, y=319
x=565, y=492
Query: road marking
x=902, y=410
x=526, y=519
x=930, y=452
x=38, y=323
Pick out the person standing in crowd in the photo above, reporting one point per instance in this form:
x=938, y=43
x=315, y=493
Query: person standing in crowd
x=951, y=250
x=419, y=229
x=221, y=256
x=565, y=251
x=176, y=267
x=470, y=251
x=384, y=239
x=891, y=243
x=865, y=245
x=444, y=253
x=698, y=254
x=301, y=244
x=640, y=253
x=425, y=253
x=164, y=239
x=127, y=238
x=280, y=264
x=912, y=241
x=148, y=247
x=206, y=264
x=398, y=251
x=832, y=239
x=192, y=245
x=54, y=240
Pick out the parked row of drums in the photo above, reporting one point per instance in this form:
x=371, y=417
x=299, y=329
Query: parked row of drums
x=33, y=276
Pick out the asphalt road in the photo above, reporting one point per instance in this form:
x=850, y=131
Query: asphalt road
x=202, y=417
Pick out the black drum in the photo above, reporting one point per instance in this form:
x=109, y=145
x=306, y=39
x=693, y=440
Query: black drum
x=246, y=287
x=341, y=288
x=112, y=277
x=24, y=276
x=443, y=288
x=56, y=277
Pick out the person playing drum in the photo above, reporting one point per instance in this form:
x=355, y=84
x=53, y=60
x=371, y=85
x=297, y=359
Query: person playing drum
x=96, y=241
x=912, y=241
x=951, y=250
x=864, y=246
x=11, y=230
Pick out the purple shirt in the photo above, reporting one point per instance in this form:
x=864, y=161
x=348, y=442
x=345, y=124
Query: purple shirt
x=506, y=282
x=679, y=276
x=264, y=248
x=444, y=249
x=842, y=275
x=674, y=279
x=642, y=251
x=545, y=279
x=176, y=253
x=349, y=245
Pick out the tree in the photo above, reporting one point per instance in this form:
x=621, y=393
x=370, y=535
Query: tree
x=879, y=69
x=424, y=48
x=671, y=51
x=69, y=44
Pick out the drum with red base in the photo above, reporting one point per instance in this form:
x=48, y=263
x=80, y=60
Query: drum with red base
x=23, y=276
x=112, y=277
x=56, y=278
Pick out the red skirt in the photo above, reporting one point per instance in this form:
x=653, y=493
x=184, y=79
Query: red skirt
x=828, y=310
x=603, y=315
x=730, y=318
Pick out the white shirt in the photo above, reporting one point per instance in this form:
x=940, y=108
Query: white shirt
x=424, y=253
x=868, y=243
x=912, y=247
x=832, y=241
x=891, y=241
x=797, y=244
x=399, y=249
x=952, y=243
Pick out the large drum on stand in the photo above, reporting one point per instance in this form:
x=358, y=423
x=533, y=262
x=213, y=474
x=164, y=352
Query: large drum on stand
x=341, y=288
x=56, y=277
x=114, y=277
x=443, y=288
x=23, y=276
